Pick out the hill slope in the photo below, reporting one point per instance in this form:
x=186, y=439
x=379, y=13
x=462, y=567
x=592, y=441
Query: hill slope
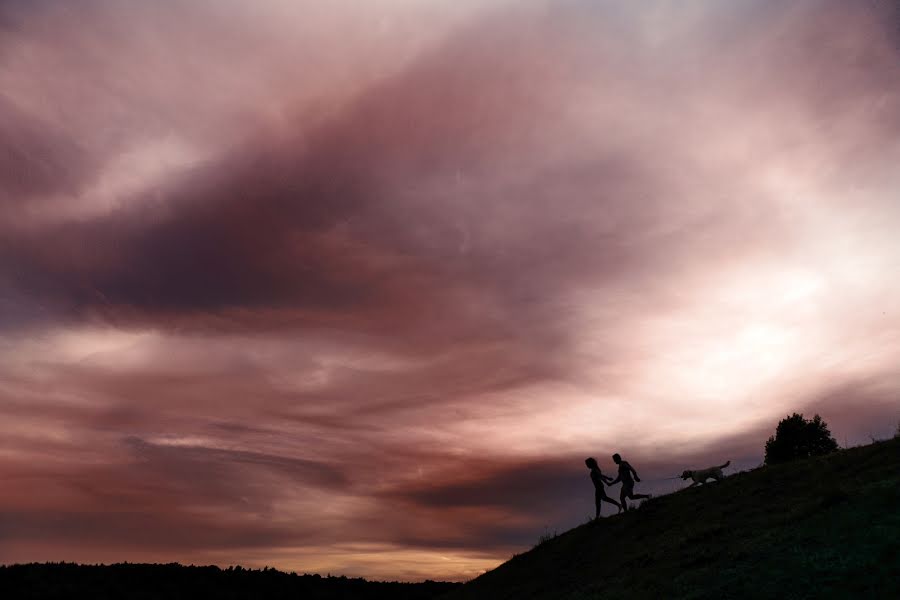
x=819, y=528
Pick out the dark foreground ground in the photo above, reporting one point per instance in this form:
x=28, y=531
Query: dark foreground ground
x=174, y=581
x=819, y=528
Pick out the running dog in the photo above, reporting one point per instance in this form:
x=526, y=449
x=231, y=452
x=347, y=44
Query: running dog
x=701, y=475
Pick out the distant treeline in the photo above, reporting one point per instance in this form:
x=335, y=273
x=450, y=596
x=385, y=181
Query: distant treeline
x=173, y=581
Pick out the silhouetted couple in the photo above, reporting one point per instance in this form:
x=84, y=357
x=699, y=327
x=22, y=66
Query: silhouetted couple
x=627, y=475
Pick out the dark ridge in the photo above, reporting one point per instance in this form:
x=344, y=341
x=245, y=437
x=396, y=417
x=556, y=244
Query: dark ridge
x=174, y=581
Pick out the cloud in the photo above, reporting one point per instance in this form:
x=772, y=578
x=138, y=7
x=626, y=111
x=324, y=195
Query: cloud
x=348, y=302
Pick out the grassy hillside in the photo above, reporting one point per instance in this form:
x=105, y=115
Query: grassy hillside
x=819, y=528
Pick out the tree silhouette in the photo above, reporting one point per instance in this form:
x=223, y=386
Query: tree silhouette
x=796, y=437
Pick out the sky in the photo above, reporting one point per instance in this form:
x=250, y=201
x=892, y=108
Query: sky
x=355, y=287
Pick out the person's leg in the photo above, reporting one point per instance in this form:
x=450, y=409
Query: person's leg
x=597, y=498
x=622, y=497
x=628, y=491
x=613, y=502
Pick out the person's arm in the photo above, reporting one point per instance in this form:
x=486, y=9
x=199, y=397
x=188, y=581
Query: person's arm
x=607, y=479
x=616, y=480
x=636, y=478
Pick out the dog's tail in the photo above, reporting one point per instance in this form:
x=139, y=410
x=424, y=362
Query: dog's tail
x=725, y=465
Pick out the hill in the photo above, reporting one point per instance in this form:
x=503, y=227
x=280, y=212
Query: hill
x=174, y=581
x=825, y=527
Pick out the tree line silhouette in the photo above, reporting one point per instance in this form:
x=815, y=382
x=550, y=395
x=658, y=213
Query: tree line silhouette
x=174, y=582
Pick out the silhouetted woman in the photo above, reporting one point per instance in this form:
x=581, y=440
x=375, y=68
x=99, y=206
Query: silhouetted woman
x=599, y=479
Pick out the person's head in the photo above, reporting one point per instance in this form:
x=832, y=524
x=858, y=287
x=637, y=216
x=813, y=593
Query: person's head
x=616, y=458
x=591, y=462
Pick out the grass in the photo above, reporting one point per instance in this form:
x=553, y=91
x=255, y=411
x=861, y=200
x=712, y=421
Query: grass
x=546, y=537
x=825, y=527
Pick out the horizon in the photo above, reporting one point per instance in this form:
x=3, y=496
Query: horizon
x=356, y=290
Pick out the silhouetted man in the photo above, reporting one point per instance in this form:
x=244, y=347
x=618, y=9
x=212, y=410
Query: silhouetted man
x=625, y=476
x=599, y=479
